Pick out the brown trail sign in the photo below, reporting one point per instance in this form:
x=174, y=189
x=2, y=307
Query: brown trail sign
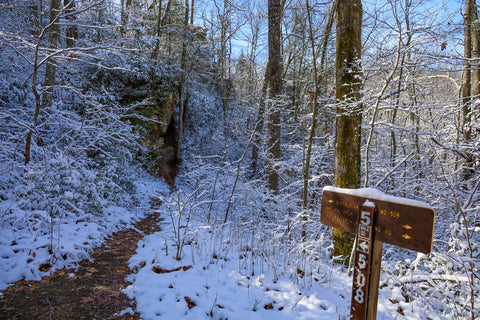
x=375, y=218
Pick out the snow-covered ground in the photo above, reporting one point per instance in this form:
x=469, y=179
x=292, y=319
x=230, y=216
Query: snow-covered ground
x=32, y=244
x=163, y=288
x=219, y=291
x=234, y=283
x=220, y=274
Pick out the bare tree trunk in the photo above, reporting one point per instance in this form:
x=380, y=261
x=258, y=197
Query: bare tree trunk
x=192, y=11
x=222, y=56
x=259, y=127
x=159, y=17
x=72, y=32
x=349, y=109
x=53, y=35
x=475, y=38
x=45, y=99
x=101, y=10
x=470, y=76
x=165, y=15
x=467, y=69
x=162, y=20
x=252, y=86
x=40, y=16
x=275, y=71
x=409, y=35
x=123, y=17
x=182, y=102
x=316, y=74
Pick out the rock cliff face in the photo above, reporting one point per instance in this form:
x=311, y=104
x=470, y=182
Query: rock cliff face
x=156, y=102
x=161, y=137
x=168, y=162
x=168, y=142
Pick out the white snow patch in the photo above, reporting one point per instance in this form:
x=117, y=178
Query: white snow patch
x=375, y=194
x=369, y=204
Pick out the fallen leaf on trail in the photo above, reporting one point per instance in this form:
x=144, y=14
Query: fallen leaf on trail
x=160, y=270
x=190, y=303
x=157, y=269
x=87, y=299
x=268, y=306
x=44, y=267
x=101, y=288
x=301, y=273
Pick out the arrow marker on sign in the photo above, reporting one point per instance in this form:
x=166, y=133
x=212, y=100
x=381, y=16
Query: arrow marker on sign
x=406, y=236
x=408, y=227
x=364, y=245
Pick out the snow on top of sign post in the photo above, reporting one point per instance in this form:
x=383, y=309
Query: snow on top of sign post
x=374, y=194
x=369, y=204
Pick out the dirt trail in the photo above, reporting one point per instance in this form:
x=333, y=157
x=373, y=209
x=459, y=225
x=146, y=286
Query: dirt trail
x=93, y=291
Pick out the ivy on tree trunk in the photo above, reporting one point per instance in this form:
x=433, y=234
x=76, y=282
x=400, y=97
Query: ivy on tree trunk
x=349, y=109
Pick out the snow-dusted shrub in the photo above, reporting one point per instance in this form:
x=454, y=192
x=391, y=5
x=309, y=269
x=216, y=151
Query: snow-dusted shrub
x=445, y=285
x=68, y=187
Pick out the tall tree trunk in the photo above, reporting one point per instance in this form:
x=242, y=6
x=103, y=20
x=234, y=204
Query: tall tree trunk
x=259, y=127
x=39, y=15
x=101, y=12
x=349, y=109
x=166, y=13
x=402, y=66
x=53, y=35
x=222, y=56
x=467, y=68
x=162, y=19
x=182, y=102
x=475, y=37
x=252, y=87
x=124, y=17
x=192, y=11
x=275, y=71
x=158, y=31
x=317, y=76
x=72, y=32
x=470, y=77
x=44, y=100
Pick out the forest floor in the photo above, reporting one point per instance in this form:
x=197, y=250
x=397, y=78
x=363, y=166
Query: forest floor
x=91, y=291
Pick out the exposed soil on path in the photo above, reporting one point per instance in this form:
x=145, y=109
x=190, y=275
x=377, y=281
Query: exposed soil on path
x=92, y=291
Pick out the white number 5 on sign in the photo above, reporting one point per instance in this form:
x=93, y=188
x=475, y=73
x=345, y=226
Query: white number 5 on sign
x=365, y=218
x=362, y=261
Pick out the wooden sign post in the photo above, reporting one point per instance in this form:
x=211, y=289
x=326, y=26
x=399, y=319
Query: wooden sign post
x=375, y=218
